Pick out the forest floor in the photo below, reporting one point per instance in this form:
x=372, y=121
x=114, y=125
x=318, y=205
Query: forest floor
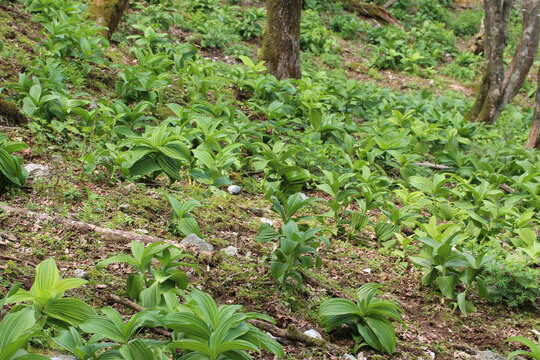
x=433, y=329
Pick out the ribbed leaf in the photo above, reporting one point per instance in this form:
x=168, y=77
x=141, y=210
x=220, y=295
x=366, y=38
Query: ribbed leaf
x=72, y=311
x=384, y=331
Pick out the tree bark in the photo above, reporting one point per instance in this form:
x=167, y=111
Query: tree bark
x=490, y=94
x=525, y=52
x=10, y=114
x=281, y=45
x=107, y=13
x=497, y=88
x=533, y=141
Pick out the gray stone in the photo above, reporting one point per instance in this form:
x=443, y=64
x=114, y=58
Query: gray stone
x=488, y=355
x=230, y=251
x=197, y=242
x=312, y=333
x=37, y=170
x=63, y=357
x=267, y=221
x=234, y=189
x=80, y=273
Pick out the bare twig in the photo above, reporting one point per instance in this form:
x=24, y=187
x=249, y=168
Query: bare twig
x=432, y=165
x=134, y=306
x=389, y=3
x=507, y=188
x=7, y=257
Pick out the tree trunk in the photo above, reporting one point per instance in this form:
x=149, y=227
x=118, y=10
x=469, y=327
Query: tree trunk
x=533, y=142
x=107, y=13
x=497, y=89
x=525, y=52
x=490, y=93
x=10, y=114
x=281, y=45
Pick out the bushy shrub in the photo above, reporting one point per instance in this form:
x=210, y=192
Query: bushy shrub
x=466, y=22
x=514, y=284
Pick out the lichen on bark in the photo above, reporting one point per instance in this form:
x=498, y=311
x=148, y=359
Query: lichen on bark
x=10, y=114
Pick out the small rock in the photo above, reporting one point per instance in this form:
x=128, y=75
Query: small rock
x=80, y=273
x=230, y=251
x=57, y=158
x=313, y=334
x=367, y=271
x=63, y=357
x=101, y=286
x=37, y=170
x=234, y=189
x=488, y=355
x=267, y=221
x=303, y=196
x=349, y=357
x=195, y=241
x=431, y=354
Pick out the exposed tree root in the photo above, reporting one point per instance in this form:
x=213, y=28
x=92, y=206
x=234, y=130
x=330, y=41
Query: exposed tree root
x=370, y=10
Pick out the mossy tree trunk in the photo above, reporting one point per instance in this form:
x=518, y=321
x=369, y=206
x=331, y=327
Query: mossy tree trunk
x=497, y=88
x=534, y=135
x=107, y=13
x=281, y=44
x=10, y=114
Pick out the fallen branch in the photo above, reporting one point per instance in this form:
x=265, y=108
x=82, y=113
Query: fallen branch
x=296, y=335
x=108, y=234
x=290, y=333
x=507, y=188
x=370, y=10
x=432, y=165
x=26, y=262
x=389, y=3
x=134, y=306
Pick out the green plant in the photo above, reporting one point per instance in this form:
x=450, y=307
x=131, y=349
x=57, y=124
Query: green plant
x=111, y=326
x=182, y=222
x=212, y=332
x=151, y=280
x=369, y=317
x=338, y=187
x=15, y=330
x=528, y=243
x=72, y=341
x=534, y=347
x=212, y=166
x=297, y=249
x=438, y=258
x=45, y=296
x=513, y=284
x=155, y=151
x=11, y=171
